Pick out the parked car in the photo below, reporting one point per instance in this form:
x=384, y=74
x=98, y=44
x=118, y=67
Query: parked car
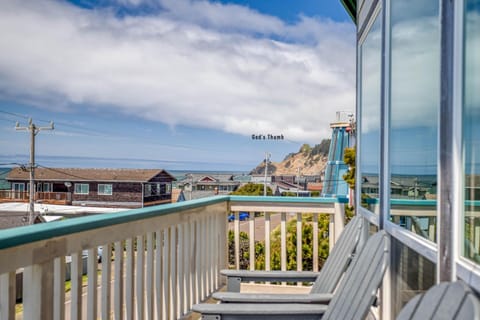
x=242, y=216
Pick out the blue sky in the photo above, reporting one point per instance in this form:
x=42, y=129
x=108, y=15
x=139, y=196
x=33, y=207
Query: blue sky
x=175, y=84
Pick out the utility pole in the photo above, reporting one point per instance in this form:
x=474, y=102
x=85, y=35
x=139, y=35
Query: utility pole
x=298, y=180
x=33, y=129
x=267, y=158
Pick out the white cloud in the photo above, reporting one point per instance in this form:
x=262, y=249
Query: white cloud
x=195, y=63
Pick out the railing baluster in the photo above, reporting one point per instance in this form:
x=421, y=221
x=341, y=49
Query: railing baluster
x=283, y=242
x=7, y=296
x=173, y=273
x=222, y=244
x=159, y=279
x=106, y=280
x=315, y=242
x=251, y=236
x=331, y=233
x=204, y=247
x=38, y=291
x=187, y=265
x=216, y=243
x=181, y=279
x=194, y=262
x=166, y=274
x=119, y=282
x=150, y=276
x=59, y=267
x=267, y=241
x=208, y=254
x=211, y=268
x=140, y=277
x=236, y=228
x=129, y=279
x=76, y=286
x=299, y=242
x=92, y=284
x=198, y=261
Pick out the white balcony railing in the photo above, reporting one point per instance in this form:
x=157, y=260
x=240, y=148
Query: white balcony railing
x=155, y=262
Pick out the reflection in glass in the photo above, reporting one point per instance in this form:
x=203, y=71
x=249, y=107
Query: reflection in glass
x=415, y=101
x=371, y=51
x=471, y=134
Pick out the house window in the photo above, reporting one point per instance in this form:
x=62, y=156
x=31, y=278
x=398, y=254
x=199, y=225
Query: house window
x=415, y=104
x=47, y=187
x=147, y=192
x=81, y=188
x=18, y=187
x=105, y=189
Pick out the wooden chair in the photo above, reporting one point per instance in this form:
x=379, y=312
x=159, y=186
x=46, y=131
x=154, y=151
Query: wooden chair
x=351, y=300
x=325, y=281
x=447, y=300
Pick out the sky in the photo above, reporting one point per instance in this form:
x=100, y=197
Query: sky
x=173, y=84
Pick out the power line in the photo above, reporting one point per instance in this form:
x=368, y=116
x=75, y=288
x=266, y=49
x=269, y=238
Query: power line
x=14, y=114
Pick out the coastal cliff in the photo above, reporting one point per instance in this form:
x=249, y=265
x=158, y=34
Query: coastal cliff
x=310, y=160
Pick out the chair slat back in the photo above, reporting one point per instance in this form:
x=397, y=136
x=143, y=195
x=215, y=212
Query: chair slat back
x=357, y=291
x=339, y=258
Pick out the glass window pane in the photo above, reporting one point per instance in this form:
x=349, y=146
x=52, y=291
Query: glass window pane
x=370, y=85
x=415, y=101
x=81, y=188
x=471, y=134
x=412, y=274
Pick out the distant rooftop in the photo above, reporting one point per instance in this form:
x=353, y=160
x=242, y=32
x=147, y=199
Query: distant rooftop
x=80, y=174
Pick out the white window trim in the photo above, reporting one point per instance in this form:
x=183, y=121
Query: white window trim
x=75, y=188
x=104, y=193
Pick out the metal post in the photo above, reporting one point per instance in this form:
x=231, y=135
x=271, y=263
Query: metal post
x=298, y=181
x=267, y=158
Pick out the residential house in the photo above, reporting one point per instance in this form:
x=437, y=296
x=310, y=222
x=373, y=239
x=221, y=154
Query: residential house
x=197, y=185
x=129, y=188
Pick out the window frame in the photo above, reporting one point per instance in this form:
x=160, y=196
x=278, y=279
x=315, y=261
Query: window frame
x=105, y=185
x=75, y=191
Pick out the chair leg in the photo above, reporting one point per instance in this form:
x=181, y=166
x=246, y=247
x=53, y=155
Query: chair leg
x=233, y=284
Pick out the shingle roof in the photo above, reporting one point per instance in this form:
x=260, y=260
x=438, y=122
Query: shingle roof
x=197, y=177
x=80, y=174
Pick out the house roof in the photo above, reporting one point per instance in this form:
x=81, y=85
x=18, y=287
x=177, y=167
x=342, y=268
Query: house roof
x=4, y=184
x=82, y=174
x=207, y=178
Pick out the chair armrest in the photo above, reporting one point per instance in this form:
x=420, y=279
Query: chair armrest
x=258, y=310
x=235, y=277
x=271, y=275
x=273, y=298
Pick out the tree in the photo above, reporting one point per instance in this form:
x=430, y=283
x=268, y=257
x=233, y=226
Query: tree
x=349, y=159
x=349, y=177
